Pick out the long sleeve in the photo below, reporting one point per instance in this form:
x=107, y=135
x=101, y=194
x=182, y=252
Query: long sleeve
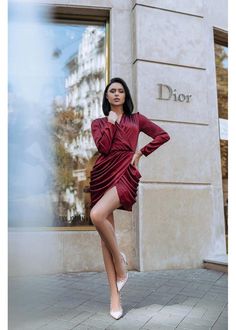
x=156, y=132
x=103, y=135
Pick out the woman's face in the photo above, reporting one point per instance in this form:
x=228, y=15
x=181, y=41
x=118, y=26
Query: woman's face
x=116, y=94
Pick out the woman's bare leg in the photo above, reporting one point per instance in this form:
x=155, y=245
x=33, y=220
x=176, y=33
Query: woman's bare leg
x=99, y=213
x=111, y=272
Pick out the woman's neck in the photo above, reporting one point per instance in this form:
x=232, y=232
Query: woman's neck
x=118, y=110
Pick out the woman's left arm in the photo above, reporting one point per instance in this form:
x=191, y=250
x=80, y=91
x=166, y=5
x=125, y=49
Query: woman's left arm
x=159, y=135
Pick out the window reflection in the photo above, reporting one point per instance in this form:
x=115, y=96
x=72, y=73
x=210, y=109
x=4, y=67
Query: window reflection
x=56, y=82
x=221, y=59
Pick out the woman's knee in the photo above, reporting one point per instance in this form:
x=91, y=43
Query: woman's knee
x=96, y=216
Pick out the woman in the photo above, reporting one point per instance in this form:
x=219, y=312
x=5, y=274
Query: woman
x=115, y=176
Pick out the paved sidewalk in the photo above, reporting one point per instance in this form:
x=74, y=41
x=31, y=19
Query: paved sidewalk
x=174, y=299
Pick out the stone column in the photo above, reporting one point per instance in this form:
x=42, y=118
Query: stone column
x=180, y=202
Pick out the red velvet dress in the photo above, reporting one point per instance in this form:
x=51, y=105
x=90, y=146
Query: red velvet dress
x=117, y=144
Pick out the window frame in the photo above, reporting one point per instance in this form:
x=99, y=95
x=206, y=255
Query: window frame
x=220, y=36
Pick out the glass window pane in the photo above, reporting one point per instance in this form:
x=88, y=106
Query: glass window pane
x=56, y=83
x=221, y=60
x=221, y=57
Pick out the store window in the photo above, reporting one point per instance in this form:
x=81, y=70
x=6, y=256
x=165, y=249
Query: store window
x=221, y=61
x=57, y=74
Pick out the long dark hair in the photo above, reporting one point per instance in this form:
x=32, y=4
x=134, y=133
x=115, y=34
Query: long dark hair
x=128, y=104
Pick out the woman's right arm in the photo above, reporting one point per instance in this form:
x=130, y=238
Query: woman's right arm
x=103, y=135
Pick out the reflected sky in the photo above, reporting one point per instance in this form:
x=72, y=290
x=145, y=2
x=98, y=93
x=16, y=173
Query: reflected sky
x=38, y=52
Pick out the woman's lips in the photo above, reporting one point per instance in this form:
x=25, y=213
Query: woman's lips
x=116, y=99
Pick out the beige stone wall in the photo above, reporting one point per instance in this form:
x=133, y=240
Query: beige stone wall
x=180, y=201
x=49, y=252
x=178, y=218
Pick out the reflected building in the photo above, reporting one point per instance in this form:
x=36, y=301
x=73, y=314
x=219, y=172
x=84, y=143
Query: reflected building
x=84, y=88
x=84, y=85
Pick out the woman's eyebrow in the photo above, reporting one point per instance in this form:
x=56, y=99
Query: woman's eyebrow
x=121, y=89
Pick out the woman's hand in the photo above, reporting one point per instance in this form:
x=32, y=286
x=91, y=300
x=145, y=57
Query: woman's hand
x=112, y=117
x=136, y=157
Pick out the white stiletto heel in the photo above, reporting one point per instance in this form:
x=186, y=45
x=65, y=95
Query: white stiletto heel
x=116, y=314
x=121, y=283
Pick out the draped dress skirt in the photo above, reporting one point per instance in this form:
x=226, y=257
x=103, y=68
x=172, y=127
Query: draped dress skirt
x=117, y=144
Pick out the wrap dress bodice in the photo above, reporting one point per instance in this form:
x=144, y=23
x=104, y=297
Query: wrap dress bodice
x=117, y=144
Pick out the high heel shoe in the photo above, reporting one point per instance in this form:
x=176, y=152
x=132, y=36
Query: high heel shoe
x=116, y=314
x=121, y=283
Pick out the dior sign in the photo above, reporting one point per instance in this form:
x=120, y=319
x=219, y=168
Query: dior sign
x=167, y=93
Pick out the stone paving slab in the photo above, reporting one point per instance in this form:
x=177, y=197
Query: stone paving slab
x=172, y=299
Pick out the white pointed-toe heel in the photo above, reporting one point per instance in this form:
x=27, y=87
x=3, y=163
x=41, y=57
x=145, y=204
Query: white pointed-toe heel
x=116, y=314
x=121, y=283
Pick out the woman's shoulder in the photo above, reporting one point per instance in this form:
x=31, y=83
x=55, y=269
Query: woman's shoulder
x=99, y=119
x=133, y=114
x=140, y=115
x=136, y=113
